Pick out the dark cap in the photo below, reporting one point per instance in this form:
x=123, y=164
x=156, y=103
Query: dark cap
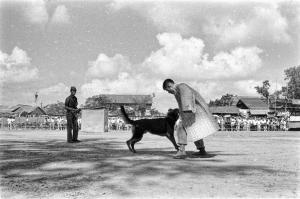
x=73, y=88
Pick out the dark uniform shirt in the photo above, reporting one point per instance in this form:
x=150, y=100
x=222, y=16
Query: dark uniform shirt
x=71, y=102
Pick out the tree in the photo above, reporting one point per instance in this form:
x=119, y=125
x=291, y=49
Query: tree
x=226, y=100
x=97, y=101
x=293, y=86
x=264, y=89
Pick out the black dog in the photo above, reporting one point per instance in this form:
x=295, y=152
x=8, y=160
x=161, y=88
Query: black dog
x=159, y=126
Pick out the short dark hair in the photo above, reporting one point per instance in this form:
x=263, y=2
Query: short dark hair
x=166, y=82
x=73, y=88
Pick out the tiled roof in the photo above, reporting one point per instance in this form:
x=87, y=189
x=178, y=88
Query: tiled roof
x=224, y=110
x=254, y=102
x=99, y=100
x=21, y=107
x=29, y=109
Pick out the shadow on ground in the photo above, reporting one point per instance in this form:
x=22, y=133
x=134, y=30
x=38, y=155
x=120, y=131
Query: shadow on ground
x=55, y=166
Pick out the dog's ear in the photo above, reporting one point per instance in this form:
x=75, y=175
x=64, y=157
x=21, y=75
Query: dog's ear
x=173, y=114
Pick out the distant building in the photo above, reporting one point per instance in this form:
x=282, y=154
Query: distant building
x=140, y=104
x=255, y=106
x=224, y=110
x=27, y=110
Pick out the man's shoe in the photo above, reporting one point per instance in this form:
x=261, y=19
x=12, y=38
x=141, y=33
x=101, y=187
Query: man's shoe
x=180, y=155
x=76, y=140
x=70, y=141
x=201, y=152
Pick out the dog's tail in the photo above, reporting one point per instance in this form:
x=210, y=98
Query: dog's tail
x=125, y=116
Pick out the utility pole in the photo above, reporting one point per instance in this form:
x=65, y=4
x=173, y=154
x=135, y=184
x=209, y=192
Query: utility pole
x=286, y=96
x=36, y=98
x=275, y=96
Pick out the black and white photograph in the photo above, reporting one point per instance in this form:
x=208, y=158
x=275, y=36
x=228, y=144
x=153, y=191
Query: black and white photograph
x=172, y=99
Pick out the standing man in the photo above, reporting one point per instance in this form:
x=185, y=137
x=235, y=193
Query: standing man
x=195, y=117
x=72, y=111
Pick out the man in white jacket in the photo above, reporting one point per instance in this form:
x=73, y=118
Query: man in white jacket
x=195, y=117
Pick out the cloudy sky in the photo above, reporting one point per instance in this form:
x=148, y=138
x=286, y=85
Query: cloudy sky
x=130, y=47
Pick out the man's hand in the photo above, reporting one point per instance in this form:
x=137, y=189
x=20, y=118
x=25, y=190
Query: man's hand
x=78, y=110
x=188, y=119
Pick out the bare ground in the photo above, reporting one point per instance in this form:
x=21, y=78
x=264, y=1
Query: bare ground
x=40, y=164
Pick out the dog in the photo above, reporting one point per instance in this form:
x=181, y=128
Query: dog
x=158, y=126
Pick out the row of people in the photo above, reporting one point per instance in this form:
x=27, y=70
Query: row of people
x=252, y=124
x=116, y=123
x=52, y=123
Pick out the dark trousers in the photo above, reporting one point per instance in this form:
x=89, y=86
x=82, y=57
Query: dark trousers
x=72, y=125
x=199, y=144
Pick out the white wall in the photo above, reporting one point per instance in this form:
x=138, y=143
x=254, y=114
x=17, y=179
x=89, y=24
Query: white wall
x=94, y=120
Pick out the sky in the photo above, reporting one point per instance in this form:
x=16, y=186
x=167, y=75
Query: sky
x=130, y=47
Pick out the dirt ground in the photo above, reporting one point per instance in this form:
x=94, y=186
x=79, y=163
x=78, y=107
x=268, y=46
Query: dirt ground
x=40, y=164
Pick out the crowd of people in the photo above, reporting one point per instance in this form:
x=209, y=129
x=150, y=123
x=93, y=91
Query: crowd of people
x=237, y=123
x=50, y=123
x=117, y=123
x=233, y=123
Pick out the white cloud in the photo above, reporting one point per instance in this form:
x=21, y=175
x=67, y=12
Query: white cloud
x=53, y=90
x=184, y=59
x=246, y=87
x=107, y=67
x=16, y=67
x=53, y=93
x=124, y=83
x=275, y=25
x=117, y=5
x=226, y=30
x=166, y=16
x=36, y=12
x=61, y=15
x=263, y=23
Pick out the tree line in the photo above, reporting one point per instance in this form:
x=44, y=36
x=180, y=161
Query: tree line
x=290, y=91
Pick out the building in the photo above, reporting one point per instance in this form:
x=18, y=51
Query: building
x=224, y=110
x=253, y=106
x=112, y=102
x=27, y=110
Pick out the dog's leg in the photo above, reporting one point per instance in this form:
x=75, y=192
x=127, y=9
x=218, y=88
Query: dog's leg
x=128, y=142
x=172, y=139
x=170, y=136
x=137, y=137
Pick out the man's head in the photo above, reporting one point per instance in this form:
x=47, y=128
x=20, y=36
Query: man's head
x=169, y=86
x=73, y=90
